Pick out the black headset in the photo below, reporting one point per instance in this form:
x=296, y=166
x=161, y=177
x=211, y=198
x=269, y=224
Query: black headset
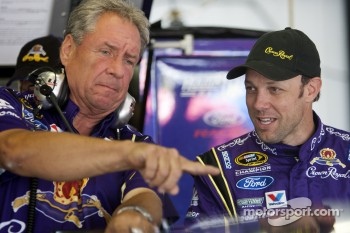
x=51, y=86
x=48, y=81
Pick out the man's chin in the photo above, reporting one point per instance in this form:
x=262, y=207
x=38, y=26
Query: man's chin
x=267, y=137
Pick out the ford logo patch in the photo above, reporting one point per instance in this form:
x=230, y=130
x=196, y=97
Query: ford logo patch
x=255, y=182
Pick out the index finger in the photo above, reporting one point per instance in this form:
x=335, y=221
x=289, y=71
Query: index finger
x=197, y=168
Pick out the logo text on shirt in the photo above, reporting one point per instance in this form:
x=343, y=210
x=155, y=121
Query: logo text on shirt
x=254, y=182
x=251, y=159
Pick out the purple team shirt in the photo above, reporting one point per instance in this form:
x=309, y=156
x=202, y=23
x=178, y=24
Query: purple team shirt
x=256, y=175
x=76, y=205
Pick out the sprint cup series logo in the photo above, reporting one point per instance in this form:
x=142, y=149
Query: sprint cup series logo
x=251, y=159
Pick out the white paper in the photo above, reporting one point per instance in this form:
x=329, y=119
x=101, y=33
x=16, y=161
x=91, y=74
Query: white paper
x=20, y=22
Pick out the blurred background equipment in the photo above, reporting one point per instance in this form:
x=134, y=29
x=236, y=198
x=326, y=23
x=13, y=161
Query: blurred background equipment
x=182, y=97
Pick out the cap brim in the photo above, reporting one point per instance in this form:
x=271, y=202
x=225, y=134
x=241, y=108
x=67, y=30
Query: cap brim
x=21, y=74
x=264, y=68
x=236, y=72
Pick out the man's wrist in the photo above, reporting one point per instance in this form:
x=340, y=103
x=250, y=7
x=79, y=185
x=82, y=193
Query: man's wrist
x=138, y=209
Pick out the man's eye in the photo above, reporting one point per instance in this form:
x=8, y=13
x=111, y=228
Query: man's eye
x=249, y=88
x=105, y=52
x=130, y=62
x=275, y=89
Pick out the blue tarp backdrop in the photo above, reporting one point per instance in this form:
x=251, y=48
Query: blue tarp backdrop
x=191, y=105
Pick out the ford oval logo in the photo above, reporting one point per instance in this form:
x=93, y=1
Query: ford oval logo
x=255, y=182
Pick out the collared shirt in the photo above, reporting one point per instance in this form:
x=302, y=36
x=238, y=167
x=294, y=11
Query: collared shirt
x=261, y=176
x=81, y=204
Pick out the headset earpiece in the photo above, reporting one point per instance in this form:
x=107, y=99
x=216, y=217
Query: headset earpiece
x=125, y=111
x=47, y=82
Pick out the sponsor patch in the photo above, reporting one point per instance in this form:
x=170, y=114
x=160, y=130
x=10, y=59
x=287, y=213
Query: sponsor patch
x=40, y=126
x=32, y=121
x=254, y=182
x=55, y=128
x=253, y=170
x=250, y=202
x=227, y=160
x=9, y=113
x=276, y=199
x=251, y=159
x=327, y=157
x=330, y=165
x=331, y=172
x=28, y=116
x=5, y=105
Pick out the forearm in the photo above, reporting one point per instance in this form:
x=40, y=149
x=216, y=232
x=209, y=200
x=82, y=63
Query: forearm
x=59, y=156
x=66, y=156
x=147, y=200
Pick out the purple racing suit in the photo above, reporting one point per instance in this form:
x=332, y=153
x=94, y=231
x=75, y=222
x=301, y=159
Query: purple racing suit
x=76, y=205
x=259, y=176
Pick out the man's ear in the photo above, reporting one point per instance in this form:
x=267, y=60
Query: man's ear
x=313, y=88
x=67, y=49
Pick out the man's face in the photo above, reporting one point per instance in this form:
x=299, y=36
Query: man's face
x=26, y=86
x=278, y=108
x=100, y=69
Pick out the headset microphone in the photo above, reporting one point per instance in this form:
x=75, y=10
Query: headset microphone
x=45, y=90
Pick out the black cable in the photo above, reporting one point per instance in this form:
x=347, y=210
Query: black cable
x=53, y=100
x=47, y=91
x=33, y=186
x=32, y=204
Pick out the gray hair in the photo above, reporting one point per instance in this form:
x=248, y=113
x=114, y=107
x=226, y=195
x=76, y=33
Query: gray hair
x=83, y=18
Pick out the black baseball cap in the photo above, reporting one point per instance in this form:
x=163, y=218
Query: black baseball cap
x=39, y=52
x=281, y=55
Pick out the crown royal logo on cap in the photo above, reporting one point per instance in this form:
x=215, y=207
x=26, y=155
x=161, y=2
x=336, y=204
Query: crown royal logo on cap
x=35, y=54
x=281, y=54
